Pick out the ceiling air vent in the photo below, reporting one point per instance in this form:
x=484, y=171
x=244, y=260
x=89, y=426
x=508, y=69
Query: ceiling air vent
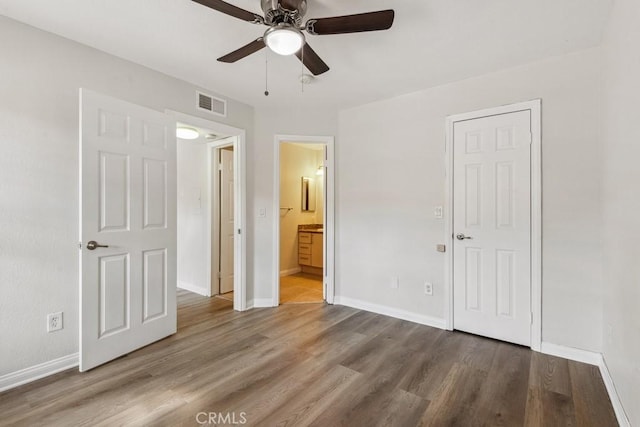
x=211, y=104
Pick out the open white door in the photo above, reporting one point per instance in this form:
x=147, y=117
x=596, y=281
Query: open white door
x=128, y=206
x=227, y=218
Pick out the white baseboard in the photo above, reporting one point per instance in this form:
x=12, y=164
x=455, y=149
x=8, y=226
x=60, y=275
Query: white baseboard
x=389, y=311
x=290, y=271
x=262, y=303
x=192, y=288
x=584, y=356
x=621, y=415
x=36, y=372
x=592, y=358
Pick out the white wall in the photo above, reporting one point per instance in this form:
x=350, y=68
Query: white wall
x=621, y=136
x=39, y=82
x=295, y=162
x=391, y=176
x=193, y=199
x=261, y=176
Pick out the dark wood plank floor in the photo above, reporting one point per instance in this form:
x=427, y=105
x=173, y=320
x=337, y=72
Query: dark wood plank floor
x=317, y=365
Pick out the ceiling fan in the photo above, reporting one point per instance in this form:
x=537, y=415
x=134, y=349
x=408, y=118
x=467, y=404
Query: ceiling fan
x=285, y=37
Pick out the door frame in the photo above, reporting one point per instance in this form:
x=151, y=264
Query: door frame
x=329, y=213
x=237, y=138
x=535, y=109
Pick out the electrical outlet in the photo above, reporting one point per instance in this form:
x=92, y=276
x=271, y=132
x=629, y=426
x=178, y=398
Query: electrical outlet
x=54, y=322
x=428, y=288
x=395, y=283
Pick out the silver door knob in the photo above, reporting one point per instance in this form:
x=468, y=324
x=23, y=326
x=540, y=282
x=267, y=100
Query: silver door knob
x=93, y=245
x=462, y=237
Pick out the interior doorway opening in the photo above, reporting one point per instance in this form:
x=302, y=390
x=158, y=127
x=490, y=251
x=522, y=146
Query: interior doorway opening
x=211, y=213
x=303, y=220
x=302, y=183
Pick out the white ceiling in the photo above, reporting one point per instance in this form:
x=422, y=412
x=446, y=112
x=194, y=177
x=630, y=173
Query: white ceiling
x=432, y=42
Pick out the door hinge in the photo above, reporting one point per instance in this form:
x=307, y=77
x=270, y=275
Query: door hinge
x=530, y=138
x=219, y=275
x=79, y=245
x=239, y=231
x=531, y=317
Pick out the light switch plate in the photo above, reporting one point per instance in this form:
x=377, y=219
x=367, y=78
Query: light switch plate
x=438, y=212
x=441, y=248
x=262, y=213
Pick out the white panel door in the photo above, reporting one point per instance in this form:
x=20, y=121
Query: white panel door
x=128, y=205
x=227, y=227
x=492, y=226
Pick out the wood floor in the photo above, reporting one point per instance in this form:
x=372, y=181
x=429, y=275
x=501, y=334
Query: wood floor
x=300, y=288
x=313, y=364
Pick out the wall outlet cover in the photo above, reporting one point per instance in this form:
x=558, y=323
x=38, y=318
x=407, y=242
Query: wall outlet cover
x=428, y=288
x=54, y=322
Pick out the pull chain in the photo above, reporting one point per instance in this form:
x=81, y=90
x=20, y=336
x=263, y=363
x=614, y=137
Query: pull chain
x=302, y=69
x=266, y=72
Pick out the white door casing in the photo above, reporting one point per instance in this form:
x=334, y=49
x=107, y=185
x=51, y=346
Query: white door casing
x=492, y=210
x=128, y=203
x=227, y=226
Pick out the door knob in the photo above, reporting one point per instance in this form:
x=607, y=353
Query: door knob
x=462, y=237
x=93, y=245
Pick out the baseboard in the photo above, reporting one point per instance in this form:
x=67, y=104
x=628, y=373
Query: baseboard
x=262, y=303
x=621, y=415
x=36, y=372
x=584, y=356
x=195, y=289
x=591, y=358
x=290, y=271
x=391, y=312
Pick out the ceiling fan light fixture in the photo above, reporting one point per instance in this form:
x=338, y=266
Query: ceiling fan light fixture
x=284, y=39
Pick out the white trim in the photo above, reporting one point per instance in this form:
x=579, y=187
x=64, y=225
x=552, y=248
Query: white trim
x=391, y=312
x=534, y=107
x=27, y=375
x=329, y=213
x=290, y=272
x=240, y=302
x=591, y=358
x=621, y=415
x=262, y=303
x=571, y=353
x=192, y=288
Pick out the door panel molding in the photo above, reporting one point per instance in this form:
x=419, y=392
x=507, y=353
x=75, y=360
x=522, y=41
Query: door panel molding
x=534, y=107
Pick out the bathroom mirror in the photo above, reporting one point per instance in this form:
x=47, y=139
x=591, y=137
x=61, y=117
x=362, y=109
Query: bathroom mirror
x=308, y=194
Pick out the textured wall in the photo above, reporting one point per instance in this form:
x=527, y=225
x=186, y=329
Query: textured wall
x=621, y=135
x=40, y=77
x=391, y=176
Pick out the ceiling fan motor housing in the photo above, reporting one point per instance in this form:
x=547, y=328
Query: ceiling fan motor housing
x=284, y=11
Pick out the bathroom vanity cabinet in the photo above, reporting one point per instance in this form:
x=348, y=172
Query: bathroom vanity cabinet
x=310, y=249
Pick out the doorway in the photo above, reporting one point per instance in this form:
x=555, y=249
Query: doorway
x=493, y=223
x=211, y=210
x=303, y=220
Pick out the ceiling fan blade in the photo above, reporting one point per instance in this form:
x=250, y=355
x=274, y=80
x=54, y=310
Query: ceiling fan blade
x=311, y=60
x=371, y=21
x=244, y=51
x=231, y=10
